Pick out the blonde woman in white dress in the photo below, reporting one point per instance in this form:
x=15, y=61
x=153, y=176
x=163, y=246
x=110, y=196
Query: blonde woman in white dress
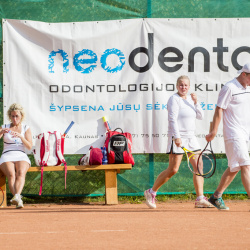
x=14, y=162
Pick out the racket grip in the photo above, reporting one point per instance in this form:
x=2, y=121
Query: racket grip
x=106, y=123
x=69, y=127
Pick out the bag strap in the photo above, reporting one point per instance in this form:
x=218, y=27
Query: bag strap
x=109, y=146
x=44, y=160
x=65, y=173
x=41, y=184
x=120, y=129
x=59, y=153
x=127, y=144
x=45, y=140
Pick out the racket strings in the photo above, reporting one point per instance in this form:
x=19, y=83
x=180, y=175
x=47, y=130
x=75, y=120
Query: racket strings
x=206, y=164
x=191, y=159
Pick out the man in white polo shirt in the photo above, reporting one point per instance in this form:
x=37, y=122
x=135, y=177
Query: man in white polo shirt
x=234, y=104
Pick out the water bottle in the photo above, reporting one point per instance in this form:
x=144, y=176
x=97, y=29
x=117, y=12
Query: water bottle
x=104, y=155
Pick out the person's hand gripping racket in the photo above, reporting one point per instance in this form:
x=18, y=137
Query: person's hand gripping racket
x=212, y=133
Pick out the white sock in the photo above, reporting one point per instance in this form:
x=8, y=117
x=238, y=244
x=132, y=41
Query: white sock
x=200, y=197
x=151, y=191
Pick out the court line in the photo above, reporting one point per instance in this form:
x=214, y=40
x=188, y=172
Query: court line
x=59, y=232
x=98, y=231
x=39, y=232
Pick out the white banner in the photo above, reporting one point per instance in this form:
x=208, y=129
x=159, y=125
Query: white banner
x=124, y=69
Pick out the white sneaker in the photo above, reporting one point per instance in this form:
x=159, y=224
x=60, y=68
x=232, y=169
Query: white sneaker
x=150, y=199
x=203, y=203
x=14, y=200
x=20, y=203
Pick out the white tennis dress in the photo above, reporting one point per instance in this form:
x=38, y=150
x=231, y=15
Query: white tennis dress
x=14, y=149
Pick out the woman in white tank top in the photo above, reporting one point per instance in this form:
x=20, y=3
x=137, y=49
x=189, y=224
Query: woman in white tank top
x=14, y=162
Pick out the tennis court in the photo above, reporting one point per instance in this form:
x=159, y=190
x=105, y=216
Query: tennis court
x=173, y=225
x=151, y=43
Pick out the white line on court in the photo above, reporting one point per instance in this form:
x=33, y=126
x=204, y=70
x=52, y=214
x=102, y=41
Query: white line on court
x=59, y=232
x=98, y=231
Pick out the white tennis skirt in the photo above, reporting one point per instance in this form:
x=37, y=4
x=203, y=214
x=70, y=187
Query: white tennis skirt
x=189, y=143
x=13, y=156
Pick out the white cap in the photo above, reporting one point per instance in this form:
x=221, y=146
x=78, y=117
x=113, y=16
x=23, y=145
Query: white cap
x=245, y=68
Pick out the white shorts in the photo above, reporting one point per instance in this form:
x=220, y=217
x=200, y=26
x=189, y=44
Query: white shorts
x=189, y=143
x=237, y=154
x=13, y=156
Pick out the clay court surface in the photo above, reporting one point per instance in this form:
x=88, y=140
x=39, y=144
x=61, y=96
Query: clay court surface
x=173, y=225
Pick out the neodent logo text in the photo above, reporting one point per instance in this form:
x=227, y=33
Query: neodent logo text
x=90, y=63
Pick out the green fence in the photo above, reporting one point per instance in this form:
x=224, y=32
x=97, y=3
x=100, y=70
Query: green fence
x=130, y=182
x=147, y=166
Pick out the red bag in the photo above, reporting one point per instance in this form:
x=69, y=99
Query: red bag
x=93, y=157
x=118, y=146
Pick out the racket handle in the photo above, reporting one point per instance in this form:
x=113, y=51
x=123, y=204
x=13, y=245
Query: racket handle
x=106, y=123
x=68, y=128
x=211, y=127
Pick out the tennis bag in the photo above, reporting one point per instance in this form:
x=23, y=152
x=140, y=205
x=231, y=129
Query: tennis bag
x=93, y=157
x=118, y=147
x=48, y=151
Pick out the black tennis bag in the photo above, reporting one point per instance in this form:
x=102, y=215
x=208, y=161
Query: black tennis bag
x=118, y=147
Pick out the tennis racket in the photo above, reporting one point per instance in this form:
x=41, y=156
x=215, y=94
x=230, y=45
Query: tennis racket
x=191, y=158
x=68, y=128
x=206, y=163
x=1, y=197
